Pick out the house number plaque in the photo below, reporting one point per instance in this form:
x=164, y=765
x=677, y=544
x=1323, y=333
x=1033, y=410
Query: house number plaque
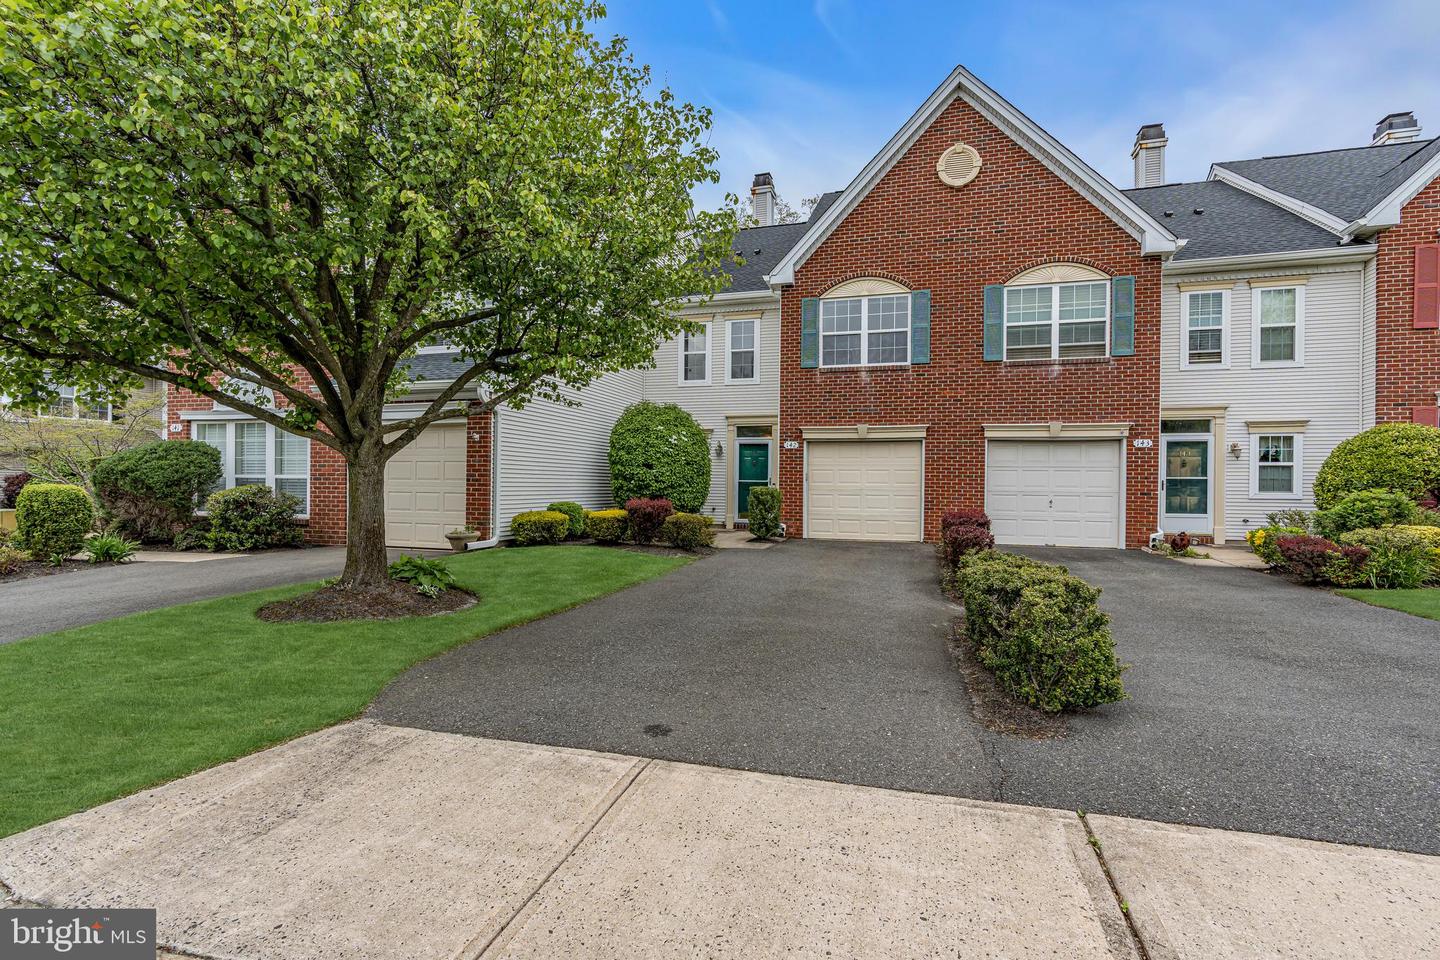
x=1143, y=443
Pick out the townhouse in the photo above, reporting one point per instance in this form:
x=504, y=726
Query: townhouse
x=981, y=319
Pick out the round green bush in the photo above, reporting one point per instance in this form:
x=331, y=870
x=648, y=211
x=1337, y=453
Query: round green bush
x=52, y=519
x=152, y=491
x=688, y=531
x=764, y=510
x=534, y=527
x=1400, y=457
x=575, y=512
x=607, y=526
x=252, y=517
x=659, y=451
x=1366, y=508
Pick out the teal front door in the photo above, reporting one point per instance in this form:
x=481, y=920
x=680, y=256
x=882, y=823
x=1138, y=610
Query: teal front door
x=753, y=470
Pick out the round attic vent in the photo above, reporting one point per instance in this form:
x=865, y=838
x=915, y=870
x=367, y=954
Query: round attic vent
x=958, y=165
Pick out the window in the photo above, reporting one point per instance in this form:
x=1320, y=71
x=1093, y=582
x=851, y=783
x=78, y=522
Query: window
x=1277, y=465
x=1057, y=322
x=740, y=341
x=695, y=356
x=1203, y=324
x=71, y=405
x=1279, y=337
x=255, y=452
x=865, y=331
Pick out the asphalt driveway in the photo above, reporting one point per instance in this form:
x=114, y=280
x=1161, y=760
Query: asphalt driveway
x=1255, y=705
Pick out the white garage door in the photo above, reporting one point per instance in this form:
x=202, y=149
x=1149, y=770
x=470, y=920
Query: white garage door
x=864, y=489
x=425, y=488
x=1060, y=492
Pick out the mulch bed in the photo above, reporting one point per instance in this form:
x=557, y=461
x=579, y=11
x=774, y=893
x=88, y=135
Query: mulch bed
x=991, y=706
x=31, y=569
x=390, y=602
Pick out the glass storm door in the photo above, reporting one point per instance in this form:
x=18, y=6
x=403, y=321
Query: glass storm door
x=1187, y=484
x=752, y=470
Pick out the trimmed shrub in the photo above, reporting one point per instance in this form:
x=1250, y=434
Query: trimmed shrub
x=194, y=537
x=150, y=492
x=1348, y=567
x=1365, y=509
x=52, y=519
x=964, y=517
x=607, y=526
x=11, y=560
x=251, y=517
x=1306, y=556
x=1040, y=630
x=658, y=451
x=646, y=518
x=764, y=509
x=688, y=531
x=1400, y=457
x=575, y=512
x=1400, y=557
x=430, y=578
x=535, y=527
x=109, y=548
x=1264, y=542
x=11, y=488
x=961, y=539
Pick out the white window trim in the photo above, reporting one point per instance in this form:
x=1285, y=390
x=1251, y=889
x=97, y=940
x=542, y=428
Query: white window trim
x=1185, y=363
x=755, y=349
x=682, y=353
x=1297, y=493
x=864, y=332
x=1299, y=360
x=227, y=461
x=1054, y=321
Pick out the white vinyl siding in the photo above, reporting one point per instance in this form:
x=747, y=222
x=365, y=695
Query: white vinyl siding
x=252, y=452
x=865, y=331
x=1057, y=321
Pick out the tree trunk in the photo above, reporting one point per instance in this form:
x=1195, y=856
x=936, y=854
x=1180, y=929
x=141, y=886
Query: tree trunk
x=366, y=564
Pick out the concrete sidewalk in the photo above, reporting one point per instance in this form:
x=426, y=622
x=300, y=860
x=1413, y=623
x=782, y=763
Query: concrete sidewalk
x=370, y=841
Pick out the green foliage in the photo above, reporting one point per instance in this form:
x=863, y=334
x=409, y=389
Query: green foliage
x=659, y=451
x=607, y=526
x=535, y=527
x=52, y=519
x=1400, y=557
x=1401, y=457
x=429, y=577
x=110, y=548
x=11, y=560
x=764, y=510
x=1265, y=542
x=252, y=517
x=1040, y=630
x=196, y=536
x=688, y=531
x=151, y=491
x=1303, y=520
x=1366, y=508
x=575, y=512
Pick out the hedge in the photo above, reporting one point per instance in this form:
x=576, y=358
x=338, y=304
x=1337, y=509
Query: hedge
x=1366, y=508
x=646, y=517
x=575, y=512
x=1039, y=630
x=1401, y=457
x=764, y=512
x=658, y=451
x=535, y=527
x=607, y=526
x=688, y=531
x=151, y=492
x=52, y=519
x=251, y=517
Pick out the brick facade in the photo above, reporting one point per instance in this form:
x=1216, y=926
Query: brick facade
x=915, y=230
x=1407, y=361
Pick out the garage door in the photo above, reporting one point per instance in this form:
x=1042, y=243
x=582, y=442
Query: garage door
x=425, y=488
x=864, y=490
x=1061, y=492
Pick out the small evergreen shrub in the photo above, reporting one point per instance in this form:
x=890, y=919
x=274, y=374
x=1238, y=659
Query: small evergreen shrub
x=658, y=451
x=575, y=512
x=607, y=526
x=536, y=527
x=1366, y=509
x=1400, y=457
x=196, y=536
x=11, y=488
x=1265, y=542
x=646, y=518
x=960, y=539
x=52, y=519
x=966, y=516
x=764, y=508
x=11, y=560
x=110, y=548
x=1304, y=520
x=688, y=531
x=150, y=492
x=429, y=577
x=252, y=517
x=1348, y=567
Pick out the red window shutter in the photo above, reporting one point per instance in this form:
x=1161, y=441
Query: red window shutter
x=1427, y=286
x=1429, y=416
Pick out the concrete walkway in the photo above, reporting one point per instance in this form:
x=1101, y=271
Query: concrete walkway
x=369, y=841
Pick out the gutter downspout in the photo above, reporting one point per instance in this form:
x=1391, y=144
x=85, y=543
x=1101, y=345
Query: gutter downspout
x=494, y=486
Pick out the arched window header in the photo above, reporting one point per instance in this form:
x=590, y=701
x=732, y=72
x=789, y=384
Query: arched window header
x=865, y=287
x=1057, y=273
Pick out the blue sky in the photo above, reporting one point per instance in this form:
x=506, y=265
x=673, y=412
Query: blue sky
x=811, y=89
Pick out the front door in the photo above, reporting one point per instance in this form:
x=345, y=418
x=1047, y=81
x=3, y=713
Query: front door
x=1187, y=466
x=753, y=470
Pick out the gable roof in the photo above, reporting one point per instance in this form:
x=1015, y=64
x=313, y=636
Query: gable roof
x=1232, y=223
x=759, y=249
x=1154, y=238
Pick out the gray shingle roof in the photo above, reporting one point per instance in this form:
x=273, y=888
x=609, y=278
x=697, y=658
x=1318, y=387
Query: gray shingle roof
x=434, y=366
x=761, y=248
x=1345, y=182
x=1234, y=223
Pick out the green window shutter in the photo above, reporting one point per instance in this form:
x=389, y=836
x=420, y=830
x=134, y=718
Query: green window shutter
x=995, y=321
x=1122, y=317
x=810, y=332
x=920, y=326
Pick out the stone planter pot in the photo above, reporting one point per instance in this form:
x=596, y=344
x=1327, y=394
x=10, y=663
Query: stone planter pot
x=458, y=540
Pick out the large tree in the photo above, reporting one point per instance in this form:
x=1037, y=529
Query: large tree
x=295, y=195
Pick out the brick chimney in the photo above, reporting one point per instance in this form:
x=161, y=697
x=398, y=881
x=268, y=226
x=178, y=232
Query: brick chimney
x=762, y=199
x=1396, y=128
x=1149, y=155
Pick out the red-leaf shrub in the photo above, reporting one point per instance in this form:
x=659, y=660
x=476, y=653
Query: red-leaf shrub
x=964, y=517
x=1307, y=557
x=647, y=516
x=1347, y=568
x=11, y=490
x=962, y=539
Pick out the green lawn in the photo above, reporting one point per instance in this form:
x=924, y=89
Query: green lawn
x=1424, y=602
x=91, y=714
